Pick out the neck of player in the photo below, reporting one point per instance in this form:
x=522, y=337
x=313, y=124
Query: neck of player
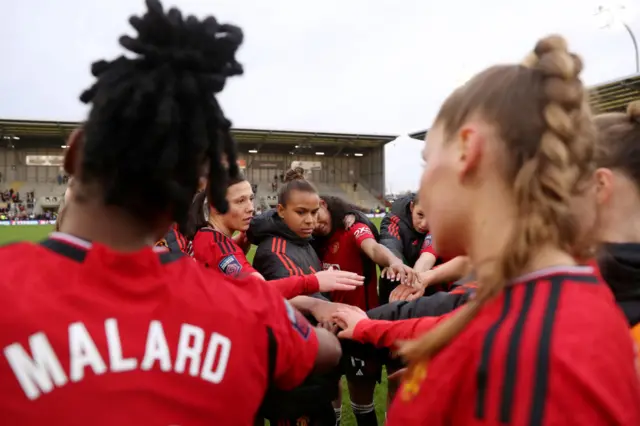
x=489, y=236
x=108, y=225
x=620, y=222
x=218, y=225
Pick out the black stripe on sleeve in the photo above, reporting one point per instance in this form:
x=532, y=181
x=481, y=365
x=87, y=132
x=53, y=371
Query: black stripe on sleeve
x=482, y=376
x=544, y=351
x=511, y=366
x=229, y=243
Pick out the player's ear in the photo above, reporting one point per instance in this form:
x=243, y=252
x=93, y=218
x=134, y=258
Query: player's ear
x=74, y=147
x=323, y=203
x=604, y=185
x=280, y=210
x=411, y=206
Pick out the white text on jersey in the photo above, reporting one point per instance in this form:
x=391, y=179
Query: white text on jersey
x=41, y=371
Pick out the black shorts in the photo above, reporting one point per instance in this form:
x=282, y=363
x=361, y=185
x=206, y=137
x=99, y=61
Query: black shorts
x=360, y=363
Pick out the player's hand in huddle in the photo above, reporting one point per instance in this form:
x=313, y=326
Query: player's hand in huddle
x=330, y=326
x=348, y=221
x=323, y=310
x=425, y=279
x=405, y=292
x=399, y=272
x=347, y=317
x=333, y=280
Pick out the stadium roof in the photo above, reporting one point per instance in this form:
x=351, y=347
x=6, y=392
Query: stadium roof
x=610, y=96
x=41, y=133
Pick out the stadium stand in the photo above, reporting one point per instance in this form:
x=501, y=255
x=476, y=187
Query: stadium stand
x=611, y=96
x=347, y=165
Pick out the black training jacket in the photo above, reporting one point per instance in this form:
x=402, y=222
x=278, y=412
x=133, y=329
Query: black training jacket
x=280, y=253
x=397, y=232
x=619, y=266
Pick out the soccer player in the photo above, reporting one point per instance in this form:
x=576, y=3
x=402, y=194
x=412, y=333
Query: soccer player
x=214, y=246
x=537, y=320
x=357, y=250
x=283, y=237
x=617, y=226
x=405, y=231
x=106, y=330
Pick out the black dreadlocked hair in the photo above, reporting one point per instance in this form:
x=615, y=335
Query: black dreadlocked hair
x=155, y=123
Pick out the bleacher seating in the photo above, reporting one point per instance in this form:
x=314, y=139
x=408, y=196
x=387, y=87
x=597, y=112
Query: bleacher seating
x=265, y=196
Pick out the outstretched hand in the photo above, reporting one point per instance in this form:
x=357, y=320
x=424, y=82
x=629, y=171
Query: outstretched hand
x=323, y=310
x=333, y=280
x=347, y=317
x=405, y=292
x=399, y=272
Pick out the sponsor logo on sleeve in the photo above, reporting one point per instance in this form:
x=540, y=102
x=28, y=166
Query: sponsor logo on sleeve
x=362, y=231
x=230, y=265
x=298, y=322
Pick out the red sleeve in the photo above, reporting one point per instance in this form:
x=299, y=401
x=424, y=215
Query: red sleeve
x=385, y=334
x=427, y=245
x=296, y=345
x=297, y=285
x=219, y=252
x=361, y=232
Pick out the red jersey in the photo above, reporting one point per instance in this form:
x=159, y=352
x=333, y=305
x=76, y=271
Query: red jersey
x=96, y=337
x=342, y=252
x=553, y=349
x=215, y=250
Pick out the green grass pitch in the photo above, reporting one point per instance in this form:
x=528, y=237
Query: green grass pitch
x=10, y=234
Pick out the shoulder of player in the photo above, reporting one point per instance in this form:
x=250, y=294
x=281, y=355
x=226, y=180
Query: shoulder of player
x=20, y=253
x=216, y=287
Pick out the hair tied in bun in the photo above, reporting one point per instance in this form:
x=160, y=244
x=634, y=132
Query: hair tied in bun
x=296, y=173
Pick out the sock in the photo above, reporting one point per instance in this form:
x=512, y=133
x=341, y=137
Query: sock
x=365, y=414
x=338, y=412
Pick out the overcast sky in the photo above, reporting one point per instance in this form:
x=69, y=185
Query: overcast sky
x=361, y=66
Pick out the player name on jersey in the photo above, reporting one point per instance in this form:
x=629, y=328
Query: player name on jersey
x=41, y=371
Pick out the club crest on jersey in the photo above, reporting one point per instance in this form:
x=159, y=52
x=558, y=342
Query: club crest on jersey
x=330, y=266
x=415, y=376
x=335, y=247
x=230, y=265
x=427, y=242
x=298, y=322
x=162, y=243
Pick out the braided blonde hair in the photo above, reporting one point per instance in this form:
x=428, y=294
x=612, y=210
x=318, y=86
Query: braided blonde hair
x=542, y=117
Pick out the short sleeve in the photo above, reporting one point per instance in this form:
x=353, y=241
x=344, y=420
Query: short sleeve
x=296, y=345
x=427, y=245
x=361, y=232
x=216, y=251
